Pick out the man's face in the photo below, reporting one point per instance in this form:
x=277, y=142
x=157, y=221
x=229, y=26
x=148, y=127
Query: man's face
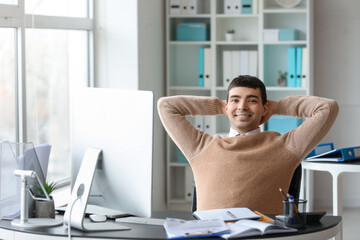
x=245, y=109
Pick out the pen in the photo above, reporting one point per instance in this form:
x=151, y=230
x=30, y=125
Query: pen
x=283, y=194
x=291, y=200
x=230, y=214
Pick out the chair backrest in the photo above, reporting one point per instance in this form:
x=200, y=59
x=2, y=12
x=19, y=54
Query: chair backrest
x=294, y=188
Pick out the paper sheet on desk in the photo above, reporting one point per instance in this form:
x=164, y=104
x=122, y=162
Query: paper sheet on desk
x=178, y=228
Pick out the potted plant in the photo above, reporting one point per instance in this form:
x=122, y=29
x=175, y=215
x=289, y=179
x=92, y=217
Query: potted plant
x=229, y=36
x=282, y=78
x=45, y=208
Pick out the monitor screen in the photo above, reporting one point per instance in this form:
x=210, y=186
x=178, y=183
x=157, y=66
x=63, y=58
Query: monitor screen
x=120, y=122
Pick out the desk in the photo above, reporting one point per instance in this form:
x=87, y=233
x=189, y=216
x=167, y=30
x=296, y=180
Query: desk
x=328, y=227
x=336, y=170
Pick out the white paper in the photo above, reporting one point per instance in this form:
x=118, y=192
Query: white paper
x=177, y=228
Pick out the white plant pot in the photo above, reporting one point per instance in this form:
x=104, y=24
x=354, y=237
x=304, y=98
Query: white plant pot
x=229, y=37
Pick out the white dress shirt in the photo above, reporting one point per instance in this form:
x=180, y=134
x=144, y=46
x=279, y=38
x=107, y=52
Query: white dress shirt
x=234, y=133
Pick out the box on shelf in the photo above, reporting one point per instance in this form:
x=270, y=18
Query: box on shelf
x=194, y=31
x=271, y=35
x=288, y=34
x=283, y=124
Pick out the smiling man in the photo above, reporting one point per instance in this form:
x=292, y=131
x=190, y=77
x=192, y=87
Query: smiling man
x=247, y=168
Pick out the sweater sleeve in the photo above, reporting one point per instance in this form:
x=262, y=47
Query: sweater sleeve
x=320, y=114
x=173, y=111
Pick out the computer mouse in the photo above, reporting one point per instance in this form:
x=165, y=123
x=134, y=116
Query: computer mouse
x=97, y=218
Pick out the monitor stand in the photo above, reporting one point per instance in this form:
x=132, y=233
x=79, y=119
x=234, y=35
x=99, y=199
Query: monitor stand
x=75, y=211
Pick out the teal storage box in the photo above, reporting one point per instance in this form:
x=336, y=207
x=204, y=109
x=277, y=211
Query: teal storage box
x=283, y=124
x=192, y=32
x=288, y=34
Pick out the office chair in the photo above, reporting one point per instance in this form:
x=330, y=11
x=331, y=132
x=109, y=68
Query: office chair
x=294, y=188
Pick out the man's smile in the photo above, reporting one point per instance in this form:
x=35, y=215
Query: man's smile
x=242, y=116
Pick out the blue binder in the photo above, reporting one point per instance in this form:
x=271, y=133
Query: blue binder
x=298, y=67
x=321, y=148
x=291, y=81
x=201, y=67
x=338, y=155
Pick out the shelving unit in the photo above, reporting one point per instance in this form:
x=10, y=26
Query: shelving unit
x=182, y=67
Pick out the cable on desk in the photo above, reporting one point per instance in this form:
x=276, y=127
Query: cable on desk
x=69, y=220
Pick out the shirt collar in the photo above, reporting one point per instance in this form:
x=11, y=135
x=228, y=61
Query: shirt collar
x=234, y=133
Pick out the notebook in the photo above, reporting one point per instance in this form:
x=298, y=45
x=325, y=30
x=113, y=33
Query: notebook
x=226, y=214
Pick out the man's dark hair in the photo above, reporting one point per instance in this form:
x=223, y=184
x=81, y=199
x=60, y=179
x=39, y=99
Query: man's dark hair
x=250, y=82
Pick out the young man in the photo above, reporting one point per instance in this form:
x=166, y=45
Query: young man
x=247, y=168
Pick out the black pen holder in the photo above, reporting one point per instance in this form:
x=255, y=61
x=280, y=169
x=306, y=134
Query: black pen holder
x=295, y=213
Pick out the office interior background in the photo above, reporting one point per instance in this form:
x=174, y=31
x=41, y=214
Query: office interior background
x=47, y=51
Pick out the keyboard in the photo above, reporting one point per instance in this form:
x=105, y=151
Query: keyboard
x=141, y=220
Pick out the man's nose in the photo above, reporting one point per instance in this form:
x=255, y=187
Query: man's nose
x=242, y=105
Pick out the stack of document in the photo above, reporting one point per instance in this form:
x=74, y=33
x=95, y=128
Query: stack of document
x=246, y=228
x=226, y=214
x=178, y=228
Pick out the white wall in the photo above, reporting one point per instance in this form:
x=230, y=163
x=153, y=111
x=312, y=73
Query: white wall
x=129, y=43
x=337, y=66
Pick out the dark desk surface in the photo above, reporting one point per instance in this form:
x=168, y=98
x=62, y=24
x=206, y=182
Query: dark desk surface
x=140, y=231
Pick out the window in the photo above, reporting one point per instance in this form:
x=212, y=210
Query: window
x=68, y=8
x=7, y=84
x=40, y=63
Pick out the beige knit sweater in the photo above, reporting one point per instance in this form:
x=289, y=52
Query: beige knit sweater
x=245, y=171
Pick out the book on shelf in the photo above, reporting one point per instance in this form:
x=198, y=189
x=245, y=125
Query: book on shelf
x=226, y=214
x=247, y=228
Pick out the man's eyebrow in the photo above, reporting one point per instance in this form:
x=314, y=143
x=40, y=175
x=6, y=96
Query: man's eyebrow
x=248, y=96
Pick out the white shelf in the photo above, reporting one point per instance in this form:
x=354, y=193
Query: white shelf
x=285, y=10
x=234, y=43
x=286, y=43
x=237, y=15
x=191, y=16
x=189, y=42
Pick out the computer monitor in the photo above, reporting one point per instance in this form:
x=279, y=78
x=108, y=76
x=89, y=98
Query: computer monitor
x=120, y=122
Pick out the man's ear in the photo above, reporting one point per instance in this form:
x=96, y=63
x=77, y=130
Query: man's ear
x=266, y=109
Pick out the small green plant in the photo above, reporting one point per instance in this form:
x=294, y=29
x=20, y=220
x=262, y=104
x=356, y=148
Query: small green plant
x=49, y=188
x=231, y=31
x=283, y=75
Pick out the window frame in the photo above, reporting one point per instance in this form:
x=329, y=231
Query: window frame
x=14, y=16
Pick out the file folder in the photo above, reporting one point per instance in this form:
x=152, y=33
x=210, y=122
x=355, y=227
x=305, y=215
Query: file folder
x=304, y=65
x=227, y=74
x=291, y=67
x=253, y=62
x=338, y=155
x=246, y=6
x=244, y=62
x=201, y=67
x=207, y=68
x=298, y=67
x=235, y=63
x=174, y=7
x=321, y=148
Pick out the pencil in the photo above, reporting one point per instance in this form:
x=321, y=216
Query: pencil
x=283, y=194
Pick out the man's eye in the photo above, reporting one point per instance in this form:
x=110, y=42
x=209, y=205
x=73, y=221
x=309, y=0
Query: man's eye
x=253, y=101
